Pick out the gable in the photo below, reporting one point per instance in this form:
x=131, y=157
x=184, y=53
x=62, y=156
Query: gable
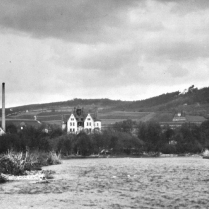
x=89, y=118
x=72, y=118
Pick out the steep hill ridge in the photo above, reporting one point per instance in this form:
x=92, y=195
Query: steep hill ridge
x=192, y=101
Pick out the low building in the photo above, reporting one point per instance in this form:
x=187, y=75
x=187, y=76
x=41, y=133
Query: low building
x=80, y=121
x=179, y=119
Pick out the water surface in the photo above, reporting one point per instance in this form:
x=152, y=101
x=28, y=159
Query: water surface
x=116, y=183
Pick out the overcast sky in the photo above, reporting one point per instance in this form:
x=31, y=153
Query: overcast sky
x=57, y=50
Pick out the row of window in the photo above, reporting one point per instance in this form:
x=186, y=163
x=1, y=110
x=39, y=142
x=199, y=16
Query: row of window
x=88, y=123
x=72, y=119
x=81, y=119
x=89, y=130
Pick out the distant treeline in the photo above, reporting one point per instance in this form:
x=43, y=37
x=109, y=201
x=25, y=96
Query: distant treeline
x=125, y=137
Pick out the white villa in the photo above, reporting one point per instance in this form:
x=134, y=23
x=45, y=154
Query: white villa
x=79, y=121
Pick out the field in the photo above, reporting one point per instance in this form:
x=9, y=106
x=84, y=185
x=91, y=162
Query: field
x=123, y=115
x=115, y=183
x=107, y=117
x=18, y=122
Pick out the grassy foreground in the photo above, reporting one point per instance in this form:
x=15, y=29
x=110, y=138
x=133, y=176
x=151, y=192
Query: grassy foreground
x=19, y=163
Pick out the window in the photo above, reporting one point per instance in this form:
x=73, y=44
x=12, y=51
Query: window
x=89, y=119
x=89, y=124
x=70, y=130
x=72, y=118
x=70, y=124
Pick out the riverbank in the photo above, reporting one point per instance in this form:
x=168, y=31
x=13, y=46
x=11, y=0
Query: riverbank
x=145, y=155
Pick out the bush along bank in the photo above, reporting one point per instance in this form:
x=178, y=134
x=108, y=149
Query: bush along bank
x=14, y=164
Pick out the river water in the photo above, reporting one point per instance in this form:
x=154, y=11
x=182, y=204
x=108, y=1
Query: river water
x=116, y=183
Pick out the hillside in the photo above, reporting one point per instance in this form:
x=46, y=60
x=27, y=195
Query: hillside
x=192, y=101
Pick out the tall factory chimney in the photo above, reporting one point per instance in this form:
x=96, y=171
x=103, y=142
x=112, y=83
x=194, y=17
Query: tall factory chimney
x=3, y=120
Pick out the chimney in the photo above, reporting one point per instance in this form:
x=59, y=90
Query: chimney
x=3, y=108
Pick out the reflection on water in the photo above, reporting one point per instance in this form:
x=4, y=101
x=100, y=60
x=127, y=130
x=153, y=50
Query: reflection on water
x=124, y=183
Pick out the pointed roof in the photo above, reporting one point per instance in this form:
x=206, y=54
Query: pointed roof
x=80, y=114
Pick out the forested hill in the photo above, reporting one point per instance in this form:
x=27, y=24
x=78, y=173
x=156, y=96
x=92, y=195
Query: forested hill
x=192, y=99
x=174, y=100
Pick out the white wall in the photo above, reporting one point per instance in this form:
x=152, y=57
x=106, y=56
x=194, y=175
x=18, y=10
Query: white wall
x=89, y=122
x=72, y=124
x=98, y=124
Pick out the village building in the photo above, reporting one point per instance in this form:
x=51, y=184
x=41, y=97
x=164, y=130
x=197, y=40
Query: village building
x=80, y=121
x=181, y=118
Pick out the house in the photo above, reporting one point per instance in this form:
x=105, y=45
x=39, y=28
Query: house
x=179, y=117
x=80, y=121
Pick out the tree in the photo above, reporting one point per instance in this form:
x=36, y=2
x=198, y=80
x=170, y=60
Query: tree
x=11, y=128
x=65, y=144
x=83, y=144
x=150, y=134
x=124, y=126
x=204, y=132
x=56, y=132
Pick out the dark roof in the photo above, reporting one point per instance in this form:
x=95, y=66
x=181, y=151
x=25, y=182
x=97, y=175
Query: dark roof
x=66, y=117
x=192, y=118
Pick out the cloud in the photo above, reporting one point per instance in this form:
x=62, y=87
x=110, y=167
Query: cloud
x=176, y=71
x=75, y=20
x=194, y=3
x=181, y=51
x=120, y=49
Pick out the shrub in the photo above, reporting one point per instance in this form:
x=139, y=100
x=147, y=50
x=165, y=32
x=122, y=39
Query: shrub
x=13, y=163
x=54, y=159
x=16, y=163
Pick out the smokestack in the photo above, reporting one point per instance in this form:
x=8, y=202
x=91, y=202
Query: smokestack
x=3, y=123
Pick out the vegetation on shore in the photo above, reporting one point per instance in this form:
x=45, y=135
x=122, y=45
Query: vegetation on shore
x=19, y=163
x=126, y=137
x=31, y=148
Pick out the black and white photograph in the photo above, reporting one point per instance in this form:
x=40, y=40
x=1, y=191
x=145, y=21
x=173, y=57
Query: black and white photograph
x=104, y=104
